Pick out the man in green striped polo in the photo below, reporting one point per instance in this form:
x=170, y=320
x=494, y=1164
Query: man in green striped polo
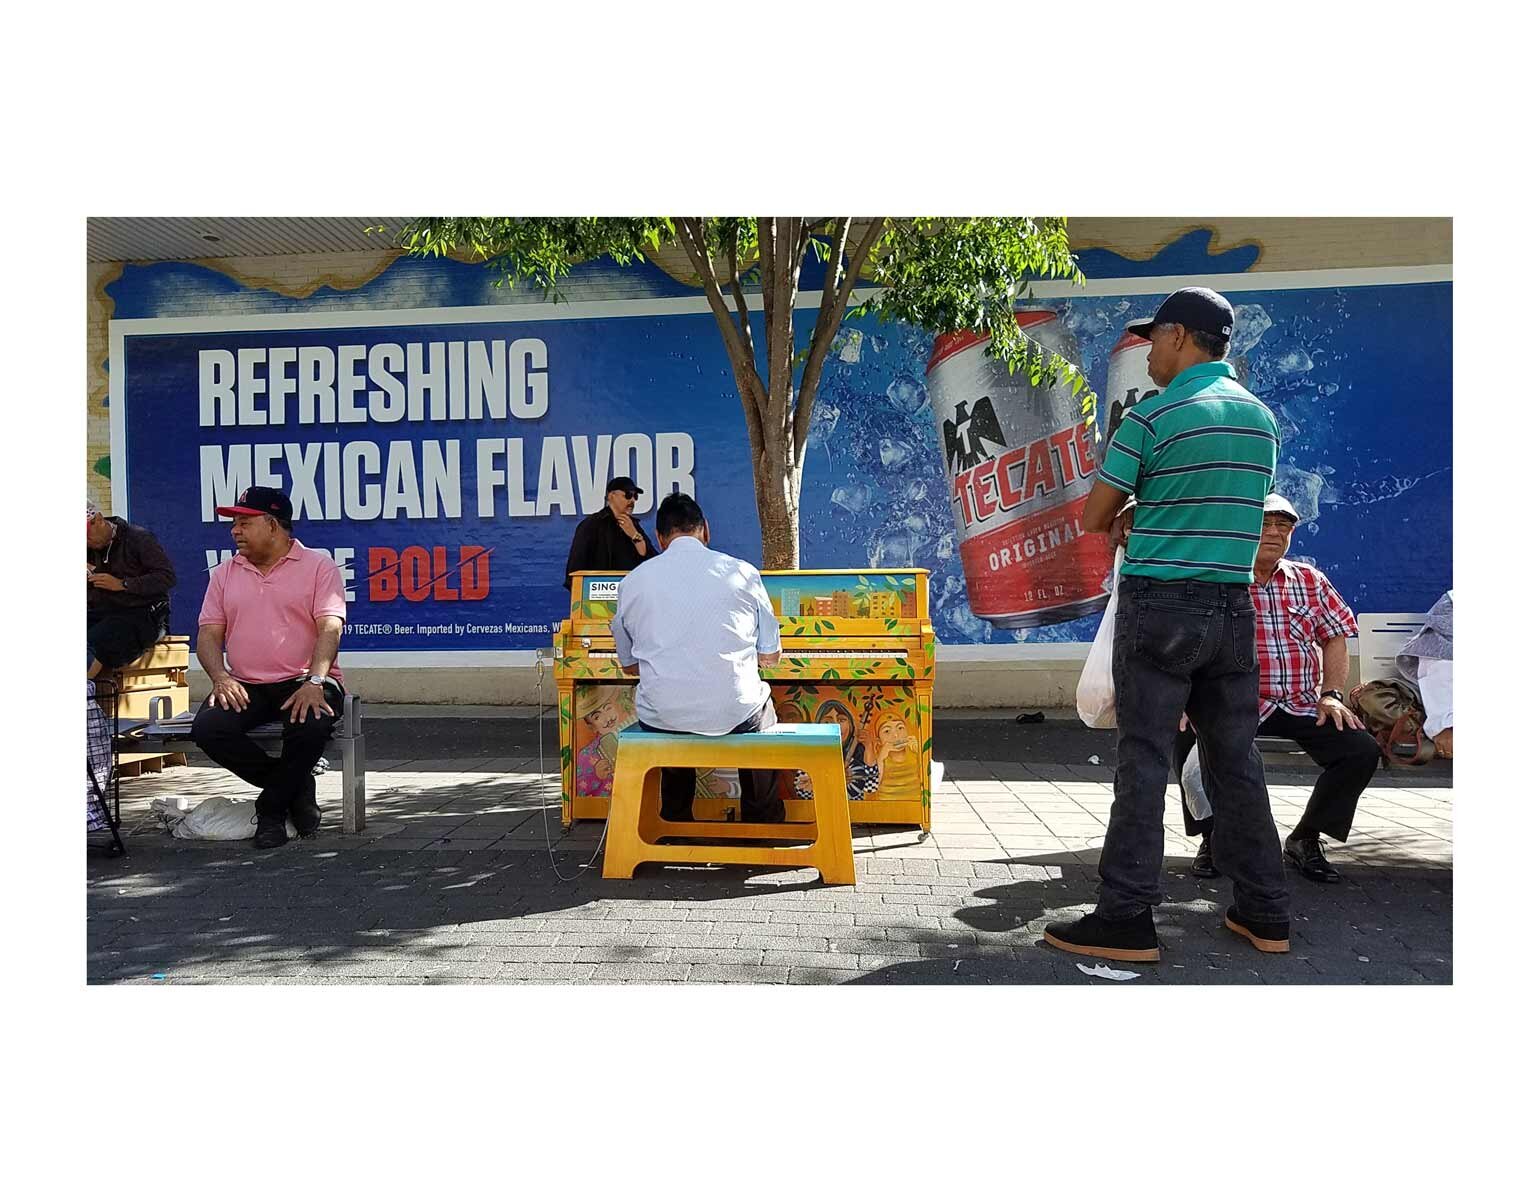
x=1183, y=483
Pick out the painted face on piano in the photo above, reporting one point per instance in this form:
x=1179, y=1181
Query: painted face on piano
x=609, y=717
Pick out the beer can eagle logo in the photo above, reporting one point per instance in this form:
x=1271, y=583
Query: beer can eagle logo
x=964, y=435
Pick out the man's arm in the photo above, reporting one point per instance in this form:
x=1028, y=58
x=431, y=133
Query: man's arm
x=328, y=636
x=1102, y=507
x=157, y=575
x=1119, y=472
x=310, y=698
x=210, y=651
x=768, y=625
x=624, y=647
x=579, y=558
x=1336, y=675
x=227, y=691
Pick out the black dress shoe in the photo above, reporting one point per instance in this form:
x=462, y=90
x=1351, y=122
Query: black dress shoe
x=1131, y=940
x=1273, y=937
x=1202, y=867
x=1308, y=857
x=270, y=833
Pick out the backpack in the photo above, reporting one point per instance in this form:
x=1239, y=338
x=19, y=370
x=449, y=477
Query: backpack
x=1390, y=709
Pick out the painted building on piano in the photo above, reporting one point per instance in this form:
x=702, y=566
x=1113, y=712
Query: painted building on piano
x=442, y=436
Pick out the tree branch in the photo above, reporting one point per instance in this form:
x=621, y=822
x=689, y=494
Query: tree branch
x=754, y=403
x=736, y=295
x=836, y=290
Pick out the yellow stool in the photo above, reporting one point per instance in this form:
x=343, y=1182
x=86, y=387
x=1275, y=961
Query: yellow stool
x=635, y=823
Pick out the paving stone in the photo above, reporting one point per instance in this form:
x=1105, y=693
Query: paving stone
x=743, y=974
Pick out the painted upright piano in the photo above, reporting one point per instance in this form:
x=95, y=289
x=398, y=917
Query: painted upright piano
x=858, y=651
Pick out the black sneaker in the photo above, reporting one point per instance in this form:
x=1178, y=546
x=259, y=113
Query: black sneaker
x=305, y=812
x=306, y=818
x=1273, y=937
x=1131, y=940
x=1308, y=857
x=270, y=833
x=1202, y=867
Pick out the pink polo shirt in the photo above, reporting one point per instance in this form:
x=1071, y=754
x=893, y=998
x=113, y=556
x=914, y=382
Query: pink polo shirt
x=269, y=620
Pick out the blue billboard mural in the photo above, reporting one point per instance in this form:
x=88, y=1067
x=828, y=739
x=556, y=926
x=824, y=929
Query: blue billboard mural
x=445, y=455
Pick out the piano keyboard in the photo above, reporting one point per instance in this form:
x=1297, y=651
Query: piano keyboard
x=802, y=655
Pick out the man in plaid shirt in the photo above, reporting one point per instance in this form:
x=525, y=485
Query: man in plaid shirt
x=1300, y=627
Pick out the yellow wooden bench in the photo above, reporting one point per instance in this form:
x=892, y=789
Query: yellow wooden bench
x=636, y=827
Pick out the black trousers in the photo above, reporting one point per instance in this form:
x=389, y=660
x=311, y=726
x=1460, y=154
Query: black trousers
x=1349, y=759
x=760, y=798
x=117, y=636
x=287, y=786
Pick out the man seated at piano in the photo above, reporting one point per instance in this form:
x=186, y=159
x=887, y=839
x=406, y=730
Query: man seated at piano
x=694, y=626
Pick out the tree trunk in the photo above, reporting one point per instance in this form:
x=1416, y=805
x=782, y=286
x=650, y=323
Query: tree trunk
x=777, y=487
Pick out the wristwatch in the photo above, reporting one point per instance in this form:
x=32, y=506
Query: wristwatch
x=1334, y=692
x=317, y=680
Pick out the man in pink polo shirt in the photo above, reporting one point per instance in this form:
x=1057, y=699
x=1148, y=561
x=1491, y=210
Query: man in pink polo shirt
x=274, y=612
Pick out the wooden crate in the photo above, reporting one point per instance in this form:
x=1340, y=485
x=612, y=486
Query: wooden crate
x=148, y=680
x=132, y=763
x=168, y=652
x=136, y=703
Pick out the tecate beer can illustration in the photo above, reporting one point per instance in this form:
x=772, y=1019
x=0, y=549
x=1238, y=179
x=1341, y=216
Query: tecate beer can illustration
x=1021, y=465
x=1128, y=382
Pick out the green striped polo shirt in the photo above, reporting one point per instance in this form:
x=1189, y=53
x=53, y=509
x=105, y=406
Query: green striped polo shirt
x=1200, y=458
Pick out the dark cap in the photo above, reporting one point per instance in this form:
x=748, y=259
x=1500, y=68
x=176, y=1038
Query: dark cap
x=1196, y=308
x=260, y=502
x=623, y=483
x=1277, y=503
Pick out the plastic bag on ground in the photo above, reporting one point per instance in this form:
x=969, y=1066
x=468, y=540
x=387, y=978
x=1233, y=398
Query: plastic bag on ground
x=1096, y=686
x=222, y=819
x=1195, y=790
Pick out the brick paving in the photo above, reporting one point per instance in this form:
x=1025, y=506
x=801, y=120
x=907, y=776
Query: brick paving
x=454, y=882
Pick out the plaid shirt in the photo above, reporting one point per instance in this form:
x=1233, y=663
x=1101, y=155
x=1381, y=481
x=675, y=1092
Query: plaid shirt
x=1294, y=614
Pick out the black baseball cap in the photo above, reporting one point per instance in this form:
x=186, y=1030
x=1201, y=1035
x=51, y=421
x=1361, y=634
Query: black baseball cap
x=1197, y=308
x=260, y=502
x=623, y=483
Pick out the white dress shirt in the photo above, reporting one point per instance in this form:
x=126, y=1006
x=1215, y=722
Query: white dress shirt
x=695, y=621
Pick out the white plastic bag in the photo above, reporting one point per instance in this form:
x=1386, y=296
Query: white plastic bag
x=1096, y=686
x=170, y=811
x=222, y=819
x=1195, y=790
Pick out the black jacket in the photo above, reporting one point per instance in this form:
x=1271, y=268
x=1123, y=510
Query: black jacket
x=138, y=559
x=600, y=545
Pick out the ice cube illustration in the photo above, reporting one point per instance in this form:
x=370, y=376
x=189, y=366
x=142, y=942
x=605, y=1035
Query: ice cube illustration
x=894, y=453
x=1249, y=324
x=853, y=497
x=907, y=394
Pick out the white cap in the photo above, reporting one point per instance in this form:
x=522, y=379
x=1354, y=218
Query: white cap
x=1275, y=502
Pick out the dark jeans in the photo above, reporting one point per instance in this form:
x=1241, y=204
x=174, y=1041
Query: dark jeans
x=287, y=787
x=760, y=799
x=1348, y=757
x=115, y=637
x=1188, y=647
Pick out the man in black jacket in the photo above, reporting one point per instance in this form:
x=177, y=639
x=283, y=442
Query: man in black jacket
x=128, y=578
x=611, y=539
